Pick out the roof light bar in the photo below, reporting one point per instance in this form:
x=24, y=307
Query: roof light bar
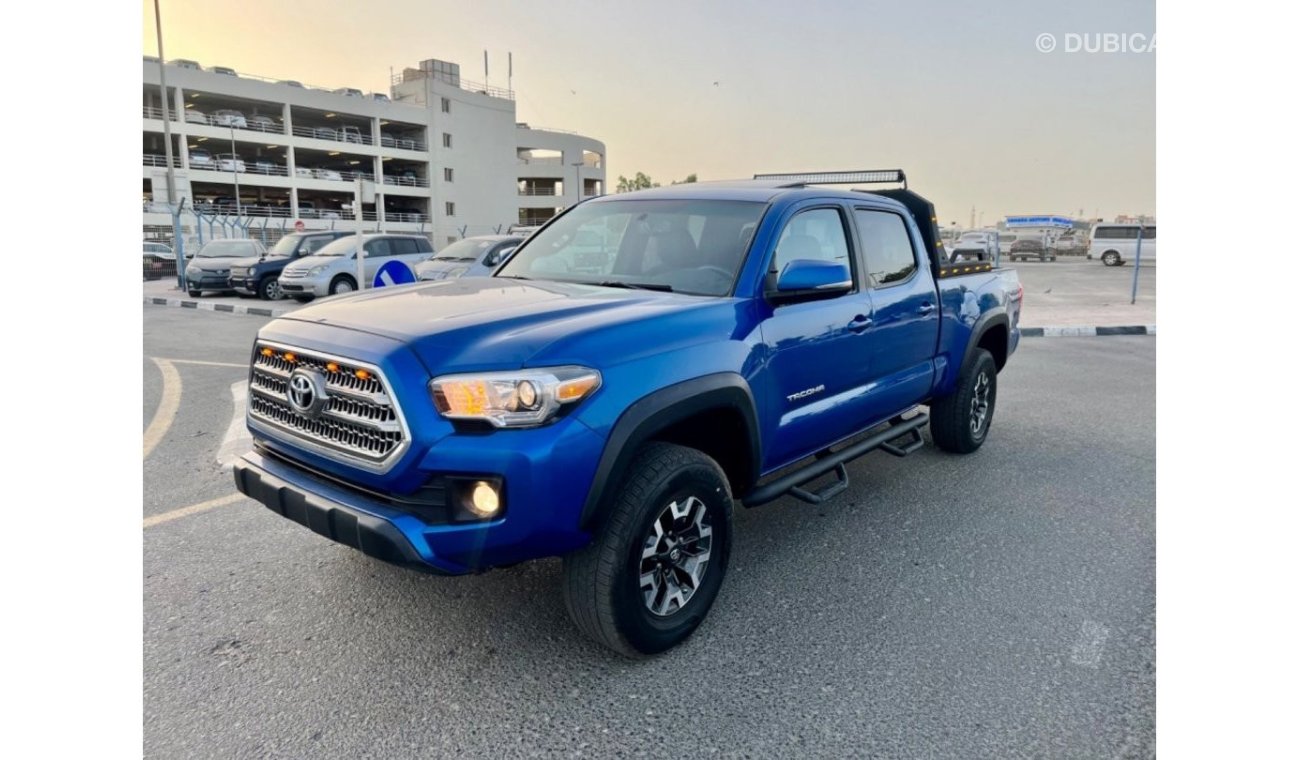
x=869, y=176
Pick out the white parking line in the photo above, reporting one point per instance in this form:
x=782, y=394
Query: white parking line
x=237, y=439
x=207, y=364
x=193, y=509
x=167, y=406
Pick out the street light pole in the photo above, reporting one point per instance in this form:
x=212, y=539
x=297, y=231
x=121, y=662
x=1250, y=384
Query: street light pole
x=178, y=245
x=234, y=167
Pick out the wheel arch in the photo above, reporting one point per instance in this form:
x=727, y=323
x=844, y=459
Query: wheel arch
x=992, y=333
x=707, y=413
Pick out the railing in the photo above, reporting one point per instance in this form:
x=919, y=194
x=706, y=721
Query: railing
x=543, y=161
x=336, y=135
x=546, y=129
x=156, y=113
x=537, y=191
x=405, y=143
x=464, y=84
x=153, y=159
x=404, y=216
x=406, y=181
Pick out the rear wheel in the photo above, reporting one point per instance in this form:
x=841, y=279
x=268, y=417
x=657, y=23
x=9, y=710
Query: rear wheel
x=342, y=284
x=960, y=422
x=657, y=561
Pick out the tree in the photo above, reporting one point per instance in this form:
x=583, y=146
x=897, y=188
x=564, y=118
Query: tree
x=689, y=178
x=639, y=182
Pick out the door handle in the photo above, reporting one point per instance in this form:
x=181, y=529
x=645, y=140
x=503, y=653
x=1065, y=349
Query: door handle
x=925, y=308
x=860, y=323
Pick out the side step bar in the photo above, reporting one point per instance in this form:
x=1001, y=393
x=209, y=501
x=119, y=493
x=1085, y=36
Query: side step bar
x=826, y=461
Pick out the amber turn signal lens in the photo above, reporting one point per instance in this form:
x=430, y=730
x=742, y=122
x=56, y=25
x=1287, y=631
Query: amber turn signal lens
x=572, y=390
x=363, y=375
x=267, y=352
x=332, y=366
x=289, y=356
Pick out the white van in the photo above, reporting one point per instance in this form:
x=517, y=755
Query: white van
x=1115, y=244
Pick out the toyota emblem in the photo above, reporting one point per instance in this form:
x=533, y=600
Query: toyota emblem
x=306, y=392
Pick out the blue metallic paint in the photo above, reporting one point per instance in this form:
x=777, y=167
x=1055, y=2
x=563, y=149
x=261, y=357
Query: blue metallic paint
x=642, y=342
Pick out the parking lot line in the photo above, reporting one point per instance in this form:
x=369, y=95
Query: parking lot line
x=193, y=509
x=167, y=406
x=207, y=364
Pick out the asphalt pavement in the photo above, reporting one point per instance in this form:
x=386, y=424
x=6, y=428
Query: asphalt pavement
x=996, y=605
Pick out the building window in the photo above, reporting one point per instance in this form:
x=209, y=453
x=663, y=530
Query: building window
x=448, y=174
x=446, y=105
x=450, y=208
x=446, y=140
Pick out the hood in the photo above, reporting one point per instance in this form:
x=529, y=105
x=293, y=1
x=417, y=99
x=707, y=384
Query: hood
x=483, y=323
x=212, y=263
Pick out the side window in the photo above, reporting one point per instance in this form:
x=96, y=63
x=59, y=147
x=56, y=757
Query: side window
x=313, y=244
x=403, y=246
x=886, y=245
x=1149, y=233
x=380, y=247
x=813, y=234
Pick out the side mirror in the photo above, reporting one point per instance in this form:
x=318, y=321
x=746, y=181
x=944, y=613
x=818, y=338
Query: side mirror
x=811, y=279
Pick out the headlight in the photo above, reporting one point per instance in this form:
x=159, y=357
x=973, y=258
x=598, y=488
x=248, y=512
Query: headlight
x=250, y=272
x=315, y=270
x=192, y=270
x=522, y=398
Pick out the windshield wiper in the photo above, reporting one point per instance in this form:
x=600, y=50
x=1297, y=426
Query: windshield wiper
x=635, y=285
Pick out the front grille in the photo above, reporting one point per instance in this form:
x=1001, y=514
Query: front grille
x=359, y=422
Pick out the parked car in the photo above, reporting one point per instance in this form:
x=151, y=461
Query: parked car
x=615, y=419
x=522, y=230
x=307, y=209
x=185, y=63
x=201, y=158
x=263, y=124
x=159, y=261
x=1030, y=248
x=1116, y=243
x=322, y=173
x=195, y=116
x=266, y=166
x=471, y=257
x=229, y=162
x=209, y=269
x=393, y=141
x=333, y=269
x=980, y=245
x=303, y=171
x=325, y=133
x=291, y=82
x=229, y=118
x=261, y=276
x=380, y=97
x=350, y=134
x=350, y=91
x=226, y=70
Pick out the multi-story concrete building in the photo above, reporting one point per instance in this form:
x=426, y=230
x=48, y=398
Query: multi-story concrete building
x=443, y=156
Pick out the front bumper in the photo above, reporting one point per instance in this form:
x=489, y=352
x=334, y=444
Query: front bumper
x=245, y=285
x=208, y=282
x=312, y=286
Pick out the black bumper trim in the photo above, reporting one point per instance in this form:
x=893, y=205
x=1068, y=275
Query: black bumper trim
x=372, y=536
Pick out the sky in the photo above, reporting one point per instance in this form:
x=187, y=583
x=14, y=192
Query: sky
x=955, y=93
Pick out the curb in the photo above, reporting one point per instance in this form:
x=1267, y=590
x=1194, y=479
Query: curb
x=1086, y=331
x=257, y=311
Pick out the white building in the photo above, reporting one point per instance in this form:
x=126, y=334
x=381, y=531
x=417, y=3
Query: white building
x=446, y=157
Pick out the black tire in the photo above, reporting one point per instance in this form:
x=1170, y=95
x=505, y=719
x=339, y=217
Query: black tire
x=343, y=284
x=602, y=581
x=1111, y=259
x=953, y=419
x=304, y=299
x=268, y=289
x=195, y=293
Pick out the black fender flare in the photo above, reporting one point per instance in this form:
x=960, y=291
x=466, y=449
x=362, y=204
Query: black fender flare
x=661, y=410
x=989, y=319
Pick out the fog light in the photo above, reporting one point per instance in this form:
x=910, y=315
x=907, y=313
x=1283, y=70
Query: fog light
x=483, y=501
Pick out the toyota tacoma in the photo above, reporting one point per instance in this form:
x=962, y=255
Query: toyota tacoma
x=640, y=364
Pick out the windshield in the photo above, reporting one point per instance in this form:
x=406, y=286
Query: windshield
x=341, y=247
x=285, y=247
x=227, y=249
x=688, y=246
x=464, y=250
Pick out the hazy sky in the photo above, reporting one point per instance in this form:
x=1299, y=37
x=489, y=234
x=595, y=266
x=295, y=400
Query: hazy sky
x=954, y=92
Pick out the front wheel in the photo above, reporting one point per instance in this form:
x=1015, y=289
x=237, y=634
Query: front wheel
x=657, y=559
x=269, y=289
x=960, y=422
x=194, y=293
x=1111, y=259
x=342, y=284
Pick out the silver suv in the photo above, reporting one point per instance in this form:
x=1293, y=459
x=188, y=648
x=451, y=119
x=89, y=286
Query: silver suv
x=333, y=269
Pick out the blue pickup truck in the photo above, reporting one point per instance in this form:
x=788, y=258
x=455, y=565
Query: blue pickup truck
x=640, y=364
